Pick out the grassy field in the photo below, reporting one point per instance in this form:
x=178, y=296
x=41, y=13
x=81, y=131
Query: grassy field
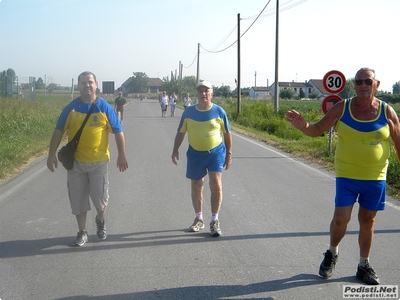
x=26, y=127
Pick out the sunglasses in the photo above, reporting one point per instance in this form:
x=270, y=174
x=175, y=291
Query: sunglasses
x=367, y=81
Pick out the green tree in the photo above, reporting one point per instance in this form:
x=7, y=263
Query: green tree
x=396, y=88
x=180, y=87
x=288, y=93
x=51, y=87
x=348, y=91
x=39, y=84
x=170, y=86
x=245, y=92
x=223, y=91
x=138, y=83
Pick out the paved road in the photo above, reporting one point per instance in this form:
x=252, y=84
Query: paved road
x=274, y=219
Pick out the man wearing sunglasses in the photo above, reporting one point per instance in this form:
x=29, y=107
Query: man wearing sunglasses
x=364, y=125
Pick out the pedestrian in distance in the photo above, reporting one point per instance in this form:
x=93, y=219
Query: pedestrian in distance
x=172, y=103
x=364, y=125
x=187, y=101
x=88, y=179
x=210, y=151
x=119, y=106
x=163, y=99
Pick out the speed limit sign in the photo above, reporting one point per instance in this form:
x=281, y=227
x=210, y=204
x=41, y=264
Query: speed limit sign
x=330, y=101
x=334, y=82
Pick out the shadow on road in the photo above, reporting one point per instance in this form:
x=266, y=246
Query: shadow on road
x=60, y=245
x=212, y=292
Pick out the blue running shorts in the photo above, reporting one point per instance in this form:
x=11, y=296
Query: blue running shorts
x=199, y=162
x=371, y=194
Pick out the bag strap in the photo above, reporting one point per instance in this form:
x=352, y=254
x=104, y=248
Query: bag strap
x=79, y=132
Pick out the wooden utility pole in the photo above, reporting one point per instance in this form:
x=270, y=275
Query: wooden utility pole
x=276, y=89
x=198, y=63
x=238, y=75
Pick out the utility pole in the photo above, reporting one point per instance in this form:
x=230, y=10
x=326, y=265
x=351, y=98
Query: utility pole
x=255, y=78
x=276, y=92
x=198, y=63
x=180, y=80
x=238, y=75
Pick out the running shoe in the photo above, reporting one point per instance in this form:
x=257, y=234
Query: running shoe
x=197, y=225
x=328, y=264
x=101, y=229
x=81, y=238
x=215, y=228
x=367, y=274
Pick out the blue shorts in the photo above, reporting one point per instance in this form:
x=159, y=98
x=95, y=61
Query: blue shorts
x=371, y=194
x=199, y=162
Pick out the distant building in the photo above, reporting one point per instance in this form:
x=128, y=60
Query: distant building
x=313, y=86
x=259, y=92
x=154, y=85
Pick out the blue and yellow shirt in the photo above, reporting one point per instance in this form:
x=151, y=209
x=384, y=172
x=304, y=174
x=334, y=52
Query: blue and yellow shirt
x=93, y=144
x=363, y=145
x=205, y=128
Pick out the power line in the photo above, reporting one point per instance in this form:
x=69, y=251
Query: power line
x=241, y=35
x=281, y=8
x=255, y=17
x=194, y=59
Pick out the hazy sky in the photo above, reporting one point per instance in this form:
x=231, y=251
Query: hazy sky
x=58, y=39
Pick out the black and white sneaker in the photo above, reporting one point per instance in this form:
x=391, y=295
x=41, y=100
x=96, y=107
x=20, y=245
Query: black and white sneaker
x=215, y=228
x=328, y=264
x=81, y=239
x=198, y=224
x=101, y=229
x=367, y=274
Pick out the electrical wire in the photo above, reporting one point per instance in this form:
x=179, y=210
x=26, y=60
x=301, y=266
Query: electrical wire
x=256, y=17
x=241, y=35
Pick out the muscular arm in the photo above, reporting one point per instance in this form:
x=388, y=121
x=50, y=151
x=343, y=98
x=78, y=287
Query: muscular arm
x=394, y=125
x=316, y=129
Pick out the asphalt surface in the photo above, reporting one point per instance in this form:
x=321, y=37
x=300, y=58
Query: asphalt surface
x=274, y=218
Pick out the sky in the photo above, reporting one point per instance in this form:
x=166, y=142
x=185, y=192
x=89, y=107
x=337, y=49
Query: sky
x=58, y=39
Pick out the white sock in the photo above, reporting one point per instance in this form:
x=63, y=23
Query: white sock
x=199, y=215
x=363, y=261
x=334, y=250
x=214, y=217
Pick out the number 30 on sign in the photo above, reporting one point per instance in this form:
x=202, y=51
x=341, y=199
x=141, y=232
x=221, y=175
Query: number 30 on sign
x=334, y=82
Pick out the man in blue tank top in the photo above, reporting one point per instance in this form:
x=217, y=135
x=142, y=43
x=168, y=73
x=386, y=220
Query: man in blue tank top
x=364, y=125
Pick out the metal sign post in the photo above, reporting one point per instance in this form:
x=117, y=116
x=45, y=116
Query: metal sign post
x=334, y=82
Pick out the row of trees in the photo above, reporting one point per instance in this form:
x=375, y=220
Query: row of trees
x=188, y=85
x=138, y=84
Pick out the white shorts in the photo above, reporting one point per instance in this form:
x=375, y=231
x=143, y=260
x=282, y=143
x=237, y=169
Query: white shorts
x=88, y=179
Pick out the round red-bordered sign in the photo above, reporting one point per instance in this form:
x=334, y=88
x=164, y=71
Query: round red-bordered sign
x=330, y=101
x=334, y=82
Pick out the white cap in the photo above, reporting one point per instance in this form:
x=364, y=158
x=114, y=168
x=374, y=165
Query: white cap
x=204, y=83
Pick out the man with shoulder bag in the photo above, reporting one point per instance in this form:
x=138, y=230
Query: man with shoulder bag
x=88, y=120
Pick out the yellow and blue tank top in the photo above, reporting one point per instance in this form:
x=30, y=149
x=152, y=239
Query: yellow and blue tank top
x=363, y=145
x=205, y=128
x=93, y=144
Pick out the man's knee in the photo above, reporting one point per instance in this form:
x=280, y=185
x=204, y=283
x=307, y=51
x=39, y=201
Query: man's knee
x=341, y=216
